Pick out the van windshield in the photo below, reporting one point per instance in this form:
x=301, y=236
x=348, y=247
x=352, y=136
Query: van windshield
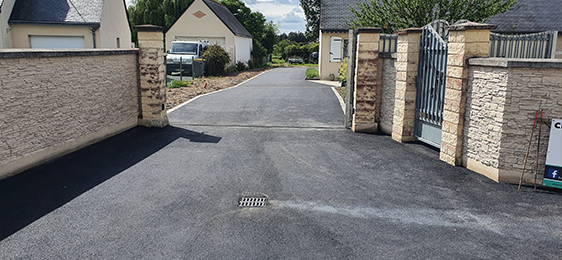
x=184, y=48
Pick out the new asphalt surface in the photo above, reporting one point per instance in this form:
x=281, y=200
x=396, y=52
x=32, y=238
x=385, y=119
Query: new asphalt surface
x=172, y=193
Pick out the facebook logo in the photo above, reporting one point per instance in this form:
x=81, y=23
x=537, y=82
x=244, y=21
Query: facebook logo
x=553, y=174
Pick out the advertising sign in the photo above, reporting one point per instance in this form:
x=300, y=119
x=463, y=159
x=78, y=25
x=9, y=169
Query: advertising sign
x=553, y=167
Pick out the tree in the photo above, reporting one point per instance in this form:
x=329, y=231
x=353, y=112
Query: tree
x=297, y=37
x=393, y=15
x=311, y=10
x=269, y=36
x=156, y=12
x=254, y=22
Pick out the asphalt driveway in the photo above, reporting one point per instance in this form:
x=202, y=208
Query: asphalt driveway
x=172, y=193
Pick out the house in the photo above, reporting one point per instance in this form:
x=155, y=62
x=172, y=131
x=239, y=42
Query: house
x=526, y=16
x=211, y=22
x=334, y=15
x=531, y=16
x=66, y=24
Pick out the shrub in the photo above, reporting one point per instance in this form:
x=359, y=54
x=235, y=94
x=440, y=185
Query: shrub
x=292, y=50
x=343, y=73
x=241, y=66
x=178, y=84
x=216, y=59
x=231, y=69
x=312, y=73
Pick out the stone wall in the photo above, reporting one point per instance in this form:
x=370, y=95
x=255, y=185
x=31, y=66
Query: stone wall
x=388, y=92
x=367, y=81
x=54, y=102
x=502, y=98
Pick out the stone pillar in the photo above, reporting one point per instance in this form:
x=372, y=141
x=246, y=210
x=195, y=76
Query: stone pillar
x=152, y=76
x=407, y=55
x=466, y=40
x=367, y=81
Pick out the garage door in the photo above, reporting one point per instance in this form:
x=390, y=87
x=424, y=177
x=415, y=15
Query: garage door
x=209, y=40
x=57, y=42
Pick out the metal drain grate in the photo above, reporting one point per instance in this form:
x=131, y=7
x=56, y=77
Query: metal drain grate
x=252, y=201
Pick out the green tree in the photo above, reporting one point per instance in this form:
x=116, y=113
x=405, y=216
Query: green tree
x=279, y=48
x=254, y=22
x=311, y=10
x=392, y=15
x=156, y=12
x=269, y=36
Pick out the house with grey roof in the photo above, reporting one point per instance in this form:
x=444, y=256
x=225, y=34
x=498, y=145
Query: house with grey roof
x=532, y=16
x=333, y=37
x=526, y=16
x=210, y=22
x=64, y=24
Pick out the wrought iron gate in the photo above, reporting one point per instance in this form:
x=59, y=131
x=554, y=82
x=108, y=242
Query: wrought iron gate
x=430, y=83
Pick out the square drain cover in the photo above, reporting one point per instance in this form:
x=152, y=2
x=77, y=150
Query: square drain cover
x=252, y=201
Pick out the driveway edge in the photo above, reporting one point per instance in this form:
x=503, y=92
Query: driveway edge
x=340, y=99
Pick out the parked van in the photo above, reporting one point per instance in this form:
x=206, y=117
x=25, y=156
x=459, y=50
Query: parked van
x=187, y=51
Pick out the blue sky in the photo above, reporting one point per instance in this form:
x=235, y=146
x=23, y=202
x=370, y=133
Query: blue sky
x=287, y=13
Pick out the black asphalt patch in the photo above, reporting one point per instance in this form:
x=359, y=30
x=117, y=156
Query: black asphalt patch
x=173, y=193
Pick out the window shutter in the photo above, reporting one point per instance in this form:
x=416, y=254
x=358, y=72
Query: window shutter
x=335, y=49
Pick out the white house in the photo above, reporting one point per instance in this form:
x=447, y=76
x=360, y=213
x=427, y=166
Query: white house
x=211, y=22
x=68, y=24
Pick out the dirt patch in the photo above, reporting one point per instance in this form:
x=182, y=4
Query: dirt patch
x=177, y=96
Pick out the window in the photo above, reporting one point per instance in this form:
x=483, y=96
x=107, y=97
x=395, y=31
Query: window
x=335, y=49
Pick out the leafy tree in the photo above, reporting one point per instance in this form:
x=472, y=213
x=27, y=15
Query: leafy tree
x=283, y=36
x=262, y=32
x=156, y=12
x=311, y=10
x=269, y=36
x=254, y=22
x=392, y=15
x=297, y=37
x=279, y=48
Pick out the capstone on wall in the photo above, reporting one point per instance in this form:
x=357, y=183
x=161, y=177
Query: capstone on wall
x=49, y=99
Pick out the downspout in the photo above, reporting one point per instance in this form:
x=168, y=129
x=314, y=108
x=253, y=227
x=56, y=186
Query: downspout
x=93, y=30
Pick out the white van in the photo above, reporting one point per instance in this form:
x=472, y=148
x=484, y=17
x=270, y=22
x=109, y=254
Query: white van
x=187, y=51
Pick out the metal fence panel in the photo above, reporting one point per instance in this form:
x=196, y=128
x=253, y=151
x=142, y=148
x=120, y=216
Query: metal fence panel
x=525, y=46
x=388, y=43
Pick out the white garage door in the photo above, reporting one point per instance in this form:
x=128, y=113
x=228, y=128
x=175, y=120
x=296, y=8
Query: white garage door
x=208, y=40
x=57, y=42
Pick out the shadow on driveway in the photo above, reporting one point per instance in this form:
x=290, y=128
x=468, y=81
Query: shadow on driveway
x=36, y=192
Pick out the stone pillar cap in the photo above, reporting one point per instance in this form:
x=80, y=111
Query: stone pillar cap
x=409, y=30
x=149, y=28
x=471, y=26
x=369, y=30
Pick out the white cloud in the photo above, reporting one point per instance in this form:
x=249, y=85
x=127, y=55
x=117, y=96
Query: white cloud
x=291, y=18
x=287, y=13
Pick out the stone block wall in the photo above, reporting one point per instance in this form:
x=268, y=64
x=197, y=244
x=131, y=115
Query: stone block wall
x=502, y=97
x=367, y=81
x=388, y=92
x=407, y=55
x=54, y=102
